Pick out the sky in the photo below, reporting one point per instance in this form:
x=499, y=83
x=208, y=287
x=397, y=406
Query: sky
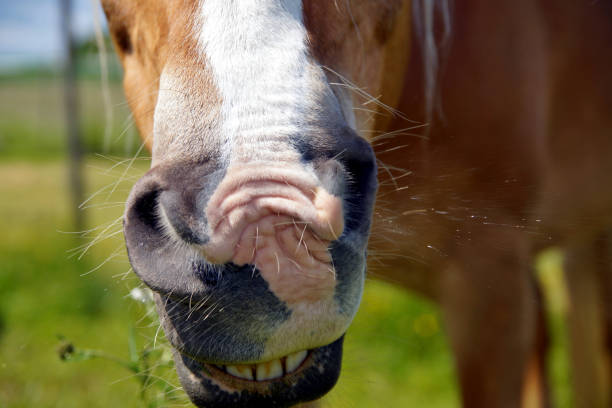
x=30, y=30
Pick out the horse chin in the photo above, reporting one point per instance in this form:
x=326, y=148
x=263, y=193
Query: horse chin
x=210, y=385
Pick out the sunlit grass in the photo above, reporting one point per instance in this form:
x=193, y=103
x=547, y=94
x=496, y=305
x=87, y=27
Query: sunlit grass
x=32, y=119
x=395, y=354
x=42, y=295
x=549, y=271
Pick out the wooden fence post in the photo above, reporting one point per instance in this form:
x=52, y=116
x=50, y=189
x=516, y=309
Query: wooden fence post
x=75, y=150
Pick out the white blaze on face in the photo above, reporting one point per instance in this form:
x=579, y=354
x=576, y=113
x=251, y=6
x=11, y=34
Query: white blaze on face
x=270, y=89
x=268, y=86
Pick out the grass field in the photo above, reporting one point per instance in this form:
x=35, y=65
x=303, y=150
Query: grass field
x=32, y=119
x=396, y=354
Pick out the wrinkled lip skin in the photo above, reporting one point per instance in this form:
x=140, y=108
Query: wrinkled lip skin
x=209, y=387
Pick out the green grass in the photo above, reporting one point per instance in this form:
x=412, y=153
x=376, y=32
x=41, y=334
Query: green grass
x=45, y=293
x=549, y=269
x=32, y=119
x=395, y=354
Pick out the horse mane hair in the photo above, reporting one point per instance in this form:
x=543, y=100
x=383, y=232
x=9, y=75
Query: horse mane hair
x=432, y=26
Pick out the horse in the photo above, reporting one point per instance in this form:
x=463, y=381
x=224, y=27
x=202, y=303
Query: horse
x=447, y=141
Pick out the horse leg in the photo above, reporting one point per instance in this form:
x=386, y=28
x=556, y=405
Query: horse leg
x=606, y=290
x=494, y=320
x=585, y=266
x=536, y=388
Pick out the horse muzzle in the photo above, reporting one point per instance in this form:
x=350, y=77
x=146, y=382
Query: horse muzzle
x=258, y=268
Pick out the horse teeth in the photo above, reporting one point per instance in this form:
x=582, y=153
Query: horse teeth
x=293, y=361
x=268, y=370
x=240, y=371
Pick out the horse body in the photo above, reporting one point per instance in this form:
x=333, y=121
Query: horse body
x=258, y=205
x=517, y=160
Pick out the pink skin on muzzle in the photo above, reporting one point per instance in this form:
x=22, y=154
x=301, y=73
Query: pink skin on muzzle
x=281, y=220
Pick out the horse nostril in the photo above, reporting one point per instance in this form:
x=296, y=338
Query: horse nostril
x=159, y=206
x=167, y=204
x=182, y=214
x=145, y=209
x=360, y=164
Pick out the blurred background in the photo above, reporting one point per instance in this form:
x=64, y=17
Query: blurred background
x=76, y=328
